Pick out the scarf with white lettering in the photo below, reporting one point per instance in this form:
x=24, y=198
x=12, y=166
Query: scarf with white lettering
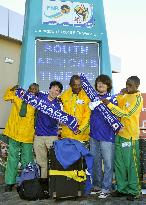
x=106, y=113
x=48, y=109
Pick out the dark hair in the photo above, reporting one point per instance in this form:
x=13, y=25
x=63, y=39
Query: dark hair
x=106, y=80
x=73, y=78
x=56, y=83
x=135, y=79
x=34, y=84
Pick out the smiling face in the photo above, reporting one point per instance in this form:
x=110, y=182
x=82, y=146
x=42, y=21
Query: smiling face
x=131, y=86
x=76, y=86
x=54, y=92
x=33, y=89
x=101, y=88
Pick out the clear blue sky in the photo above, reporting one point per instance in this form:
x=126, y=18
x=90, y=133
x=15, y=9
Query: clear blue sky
x=125, y=20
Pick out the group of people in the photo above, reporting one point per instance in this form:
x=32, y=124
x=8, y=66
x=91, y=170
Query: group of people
x=30, y=129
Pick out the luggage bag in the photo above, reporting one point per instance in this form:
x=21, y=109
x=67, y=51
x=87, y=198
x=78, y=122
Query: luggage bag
x=60, y=184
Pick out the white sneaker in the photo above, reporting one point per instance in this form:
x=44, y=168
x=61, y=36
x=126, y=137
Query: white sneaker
x=103, y=195
x=95, y=192
x=99, y=192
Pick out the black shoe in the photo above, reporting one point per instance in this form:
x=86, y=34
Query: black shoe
x=9, y=187
x=131, y=197
x=117, y=194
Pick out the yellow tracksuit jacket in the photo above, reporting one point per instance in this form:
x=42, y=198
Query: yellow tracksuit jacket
x=128, y=110
x=19, y=128
x=76, y=105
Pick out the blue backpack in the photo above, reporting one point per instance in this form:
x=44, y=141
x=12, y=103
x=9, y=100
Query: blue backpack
x=31, y=171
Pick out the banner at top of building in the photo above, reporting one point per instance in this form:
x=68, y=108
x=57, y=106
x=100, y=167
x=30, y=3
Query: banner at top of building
x=67, y=13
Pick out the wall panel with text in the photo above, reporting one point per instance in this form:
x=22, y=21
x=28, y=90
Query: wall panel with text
x=58, y=60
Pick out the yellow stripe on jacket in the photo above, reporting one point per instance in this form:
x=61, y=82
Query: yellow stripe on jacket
x=128, y=110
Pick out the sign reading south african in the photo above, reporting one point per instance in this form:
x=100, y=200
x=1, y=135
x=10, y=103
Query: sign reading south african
x=67, y=13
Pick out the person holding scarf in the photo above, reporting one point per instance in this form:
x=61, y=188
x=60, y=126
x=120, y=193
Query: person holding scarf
x=46, y=129
x=75, y=102
x=102, y=139
x=20, y=130
x=127, y=159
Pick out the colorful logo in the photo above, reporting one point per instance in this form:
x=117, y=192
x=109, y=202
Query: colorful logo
x=67, y=13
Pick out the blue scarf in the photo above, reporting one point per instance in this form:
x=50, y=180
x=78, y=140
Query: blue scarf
x=48, y=109
x=105, y=112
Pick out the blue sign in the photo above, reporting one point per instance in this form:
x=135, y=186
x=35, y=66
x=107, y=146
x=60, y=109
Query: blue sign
x=60, y=60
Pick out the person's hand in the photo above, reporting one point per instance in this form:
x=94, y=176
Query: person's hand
x=14, y=88
x=77, y=131
x=105, y=101
x=93, y=105
x=123, y=91
x=60, y=100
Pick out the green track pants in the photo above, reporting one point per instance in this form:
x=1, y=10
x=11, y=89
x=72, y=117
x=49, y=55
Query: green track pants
x=18, y=152
x=127, y=163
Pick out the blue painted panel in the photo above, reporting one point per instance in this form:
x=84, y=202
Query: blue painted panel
x=81, y=20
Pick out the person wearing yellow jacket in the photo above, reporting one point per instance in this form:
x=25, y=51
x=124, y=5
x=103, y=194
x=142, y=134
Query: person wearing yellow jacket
x=75, y=102
x=20, y=130
x=127, y=161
